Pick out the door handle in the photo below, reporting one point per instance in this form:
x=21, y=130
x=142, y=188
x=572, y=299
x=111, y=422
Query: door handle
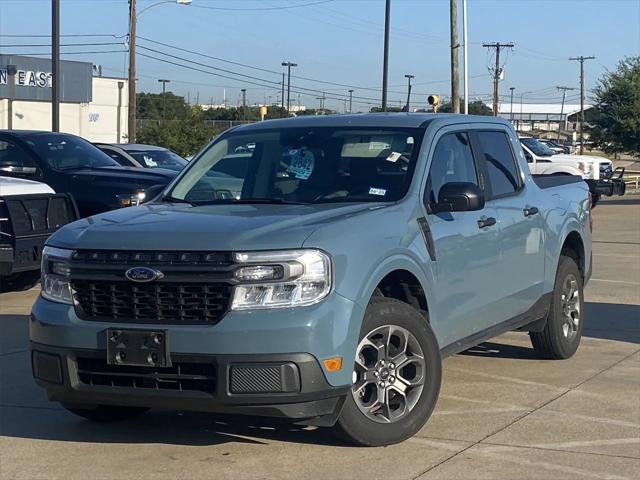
x=486, y=222
x=528, y=211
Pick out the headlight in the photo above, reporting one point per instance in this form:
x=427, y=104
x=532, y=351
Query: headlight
x=289, y=278
x=55, y=275
x=131, y=199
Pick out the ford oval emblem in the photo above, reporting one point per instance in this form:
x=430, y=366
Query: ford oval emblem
x=143, y=274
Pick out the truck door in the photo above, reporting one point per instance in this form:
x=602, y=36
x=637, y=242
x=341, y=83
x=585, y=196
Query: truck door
x=521, y=269
x=465, y=254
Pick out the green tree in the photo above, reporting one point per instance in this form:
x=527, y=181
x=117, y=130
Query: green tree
x=615, y=126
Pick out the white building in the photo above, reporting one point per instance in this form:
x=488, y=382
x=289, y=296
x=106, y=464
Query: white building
x=103, y=118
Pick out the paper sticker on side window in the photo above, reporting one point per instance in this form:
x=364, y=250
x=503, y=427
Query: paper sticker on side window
x=301, y=164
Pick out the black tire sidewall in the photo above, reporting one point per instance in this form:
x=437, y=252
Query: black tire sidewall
x=565, y=347
x=352, y=422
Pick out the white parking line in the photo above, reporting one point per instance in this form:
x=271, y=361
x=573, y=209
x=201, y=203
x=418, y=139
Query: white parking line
x=613, y=281
x=587, y=443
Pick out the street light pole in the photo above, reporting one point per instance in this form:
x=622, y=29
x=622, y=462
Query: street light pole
x=409, y=77
x=55, y=61
x=244, y=103
x=350, y=100
x=385, y=60
x=133, y=20
x=164, y=97
x=289, y=65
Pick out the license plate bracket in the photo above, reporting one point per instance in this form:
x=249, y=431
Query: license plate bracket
x=142, y=348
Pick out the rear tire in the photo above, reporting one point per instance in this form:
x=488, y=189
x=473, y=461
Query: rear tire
x=107, y=413
x=561, y=335
x=407, y=380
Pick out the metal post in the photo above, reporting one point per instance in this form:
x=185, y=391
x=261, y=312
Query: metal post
x=465, y=57
x=511, y=114
x=11, y=87
x=282, y=94
x=455, y=79
x=55, y=60
x=581, y=59
x=164, y=96
x=289, y=65
x=244, y=103
x=119, y=111
x=350, y=100
x=409, y=77
x=132, y=72
x=385, y=60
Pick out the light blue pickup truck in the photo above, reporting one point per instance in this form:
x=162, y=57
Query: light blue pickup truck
x=354, y=253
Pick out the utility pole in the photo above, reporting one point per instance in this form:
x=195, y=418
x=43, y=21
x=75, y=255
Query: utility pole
x=289, y=65
x=11, y=87
x=564, y=96
x=321, y=102
x=497, y=71
x=385, y=60
x=132, y=71
x=350, y=101
x=465, y=57
x=244, y=103
x=581, y=59
x=55, y=61
x=511, y=113
x=409, y=77
x=455, y=79
x=282, y=94
x=164, y=97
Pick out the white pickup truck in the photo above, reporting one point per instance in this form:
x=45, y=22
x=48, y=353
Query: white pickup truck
x=598, y=172
x=29, y=212
x=544, y=161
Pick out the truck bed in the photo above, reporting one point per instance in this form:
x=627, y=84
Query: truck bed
x=550, y=181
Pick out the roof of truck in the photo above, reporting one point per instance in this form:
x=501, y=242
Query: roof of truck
x=391, y=120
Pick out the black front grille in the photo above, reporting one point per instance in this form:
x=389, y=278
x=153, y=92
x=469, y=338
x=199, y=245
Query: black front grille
x=182, y=376
x=166, y=302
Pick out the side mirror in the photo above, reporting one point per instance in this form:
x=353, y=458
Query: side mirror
x=458, y=197
x=152, y=192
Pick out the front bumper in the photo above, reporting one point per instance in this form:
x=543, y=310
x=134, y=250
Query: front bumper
x=231, y=384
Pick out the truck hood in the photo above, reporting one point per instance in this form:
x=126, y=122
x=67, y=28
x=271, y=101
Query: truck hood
x=212, y=227
x=19, y=186
x=143, y=176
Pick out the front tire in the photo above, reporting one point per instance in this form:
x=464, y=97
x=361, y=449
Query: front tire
x=397, y=376
x=561, y=335
x=106, y=413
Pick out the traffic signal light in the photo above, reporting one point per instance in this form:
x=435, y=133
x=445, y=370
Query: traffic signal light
x=434, y=100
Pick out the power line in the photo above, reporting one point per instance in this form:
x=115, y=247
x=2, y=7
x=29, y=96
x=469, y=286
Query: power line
x=22, y=45
x=252, y=9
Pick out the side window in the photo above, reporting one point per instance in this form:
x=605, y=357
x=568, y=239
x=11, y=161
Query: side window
x=118, y=158
x=501, y=166
x=14, y=158
x=452, y=162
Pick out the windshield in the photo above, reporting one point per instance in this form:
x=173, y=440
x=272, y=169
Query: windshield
x=66, y=152
x=537, y=147
x=309, y=165
x=158, y=159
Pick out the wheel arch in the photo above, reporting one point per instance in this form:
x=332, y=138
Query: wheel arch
x=573, y=246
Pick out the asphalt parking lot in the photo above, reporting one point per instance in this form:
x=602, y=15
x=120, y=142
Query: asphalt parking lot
x=502, y=413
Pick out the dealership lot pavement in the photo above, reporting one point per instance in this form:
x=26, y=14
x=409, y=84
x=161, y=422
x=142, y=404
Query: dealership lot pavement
x=503, y=412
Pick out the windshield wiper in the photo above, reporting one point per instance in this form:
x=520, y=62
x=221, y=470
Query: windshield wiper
x=245, y=201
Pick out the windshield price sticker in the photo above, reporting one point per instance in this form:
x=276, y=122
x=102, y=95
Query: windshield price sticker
x=377, y=191
x=302, y=163
x=393, y=157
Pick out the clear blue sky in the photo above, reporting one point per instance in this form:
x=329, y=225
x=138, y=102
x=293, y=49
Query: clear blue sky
x=339, y=41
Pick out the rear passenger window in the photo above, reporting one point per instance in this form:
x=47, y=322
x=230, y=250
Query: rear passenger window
x=501, y=166
x=452, y=162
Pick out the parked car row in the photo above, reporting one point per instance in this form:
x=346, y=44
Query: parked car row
x=49, y=179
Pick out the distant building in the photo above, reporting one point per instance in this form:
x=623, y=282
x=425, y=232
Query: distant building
x=541, y=116
x=95, y=108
